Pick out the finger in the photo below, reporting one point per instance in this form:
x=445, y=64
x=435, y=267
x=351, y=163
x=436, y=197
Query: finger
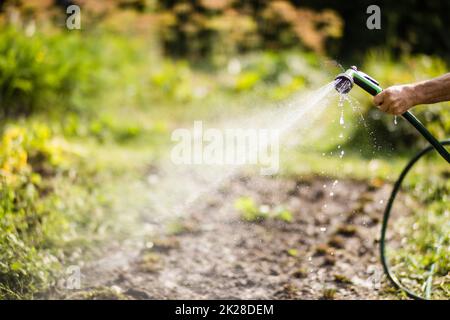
x=378, y=99
x=395, y=109
x=383, y=107
x=390, y=110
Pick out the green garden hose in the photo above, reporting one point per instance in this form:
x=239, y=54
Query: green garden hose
x=387, y=213
x=343, y=84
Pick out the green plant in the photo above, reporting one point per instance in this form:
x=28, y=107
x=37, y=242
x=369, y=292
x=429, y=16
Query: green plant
x=283, y=214
x=281, y=74
x=27, y=210
x=39, y=72
x=422, y=261
x=248, y=210
x=173, y=81
x=251, y=212
x=329, y=293
x=339, y=278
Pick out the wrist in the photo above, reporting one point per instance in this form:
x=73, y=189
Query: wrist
x=415, y=94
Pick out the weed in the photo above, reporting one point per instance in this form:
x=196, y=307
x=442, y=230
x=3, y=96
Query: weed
x=178, y=227
x=347, y=230
x=249, y=211
x=101, y=293
x=329, y=294
x=342, y=279
x=283, y=215
x=28, y=211
x=289, y=291
x=292, y=252
x=150, y=262
x=164, y=244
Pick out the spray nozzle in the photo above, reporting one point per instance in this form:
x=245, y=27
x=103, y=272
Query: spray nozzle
x=344, y=81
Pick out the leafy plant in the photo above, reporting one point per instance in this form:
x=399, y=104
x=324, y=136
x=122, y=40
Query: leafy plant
x=40, y=72
x=283, y=214
x=251, y=212
x=173, y=80
x=421, y=259
x=25, y=210
x=292, y=252
x=248, y=209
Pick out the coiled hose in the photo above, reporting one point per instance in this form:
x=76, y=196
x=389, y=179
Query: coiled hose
x=387, y=213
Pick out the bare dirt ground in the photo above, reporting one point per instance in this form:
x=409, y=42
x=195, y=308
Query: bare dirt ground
x=329, y=250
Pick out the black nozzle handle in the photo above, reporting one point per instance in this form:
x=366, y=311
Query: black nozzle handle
x=427, y=135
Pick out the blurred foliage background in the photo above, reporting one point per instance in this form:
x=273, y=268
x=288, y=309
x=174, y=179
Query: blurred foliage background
x=137, y=67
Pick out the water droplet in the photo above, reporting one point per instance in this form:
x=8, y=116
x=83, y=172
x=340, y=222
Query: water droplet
x=395, y=120
x=341, y=154
x=341, y=105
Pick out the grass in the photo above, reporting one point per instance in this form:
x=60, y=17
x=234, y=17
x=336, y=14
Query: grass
x=329, y=294
x=293, y=252
x=251, y=212
x=418, y=249
x=283, y=215
x=338, y=278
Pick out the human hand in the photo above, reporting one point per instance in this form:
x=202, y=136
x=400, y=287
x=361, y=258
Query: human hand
x=396, y=99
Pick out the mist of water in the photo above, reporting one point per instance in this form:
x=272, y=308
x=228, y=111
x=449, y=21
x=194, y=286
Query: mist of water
x=174, y=188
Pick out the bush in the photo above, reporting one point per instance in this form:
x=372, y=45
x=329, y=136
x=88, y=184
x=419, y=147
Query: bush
x=216, y=30
x=173, y=81
x=278, y=74
x=40, y=72
x=285, y=73
x=26, y=208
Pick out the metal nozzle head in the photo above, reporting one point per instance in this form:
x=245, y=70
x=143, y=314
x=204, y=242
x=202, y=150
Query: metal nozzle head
x=343, y=83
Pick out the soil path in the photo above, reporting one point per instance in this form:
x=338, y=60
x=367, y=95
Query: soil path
x=329, y=249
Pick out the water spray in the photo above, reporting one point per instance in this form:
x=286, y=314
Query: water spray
x=343, y=84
